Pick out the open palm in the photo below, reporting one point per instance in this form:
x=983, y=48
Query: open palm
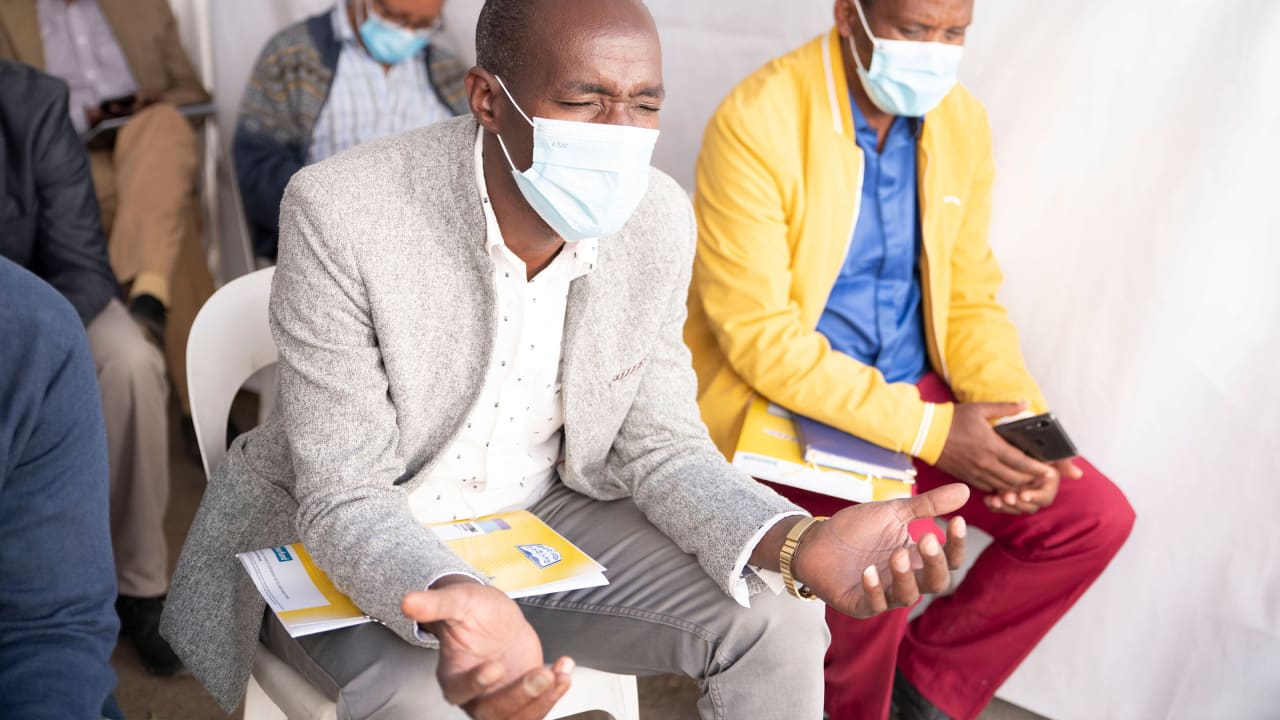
x=843, y=559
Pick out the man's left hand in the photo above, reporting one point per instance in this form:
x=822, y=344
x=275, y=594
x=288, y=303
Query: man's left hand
x=143, y=99
x=843, y=559
x=1039, y=494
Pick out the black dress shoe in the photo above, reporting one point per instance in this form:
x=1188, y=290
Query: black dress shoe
x=150, y=315
x=140, y=622
x=908, y=703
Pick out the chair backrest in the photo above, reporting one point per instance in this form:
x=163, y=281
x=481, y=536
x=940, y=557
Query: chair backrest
x=230, y=341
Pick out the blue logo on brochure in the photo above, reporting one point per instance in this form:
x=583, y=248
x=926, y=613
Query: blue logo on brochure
x=543, y=556
x=282, y=553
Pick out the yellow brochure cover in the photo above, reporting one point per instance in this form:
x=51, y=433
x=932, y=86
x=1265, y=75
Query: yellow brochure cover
x=516, y=552
x=769, y=449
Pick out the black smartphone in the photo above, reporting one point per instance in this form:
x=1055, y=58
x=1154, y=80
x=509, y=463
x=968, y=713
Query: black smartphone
x=1040, y=436
x=118, y=106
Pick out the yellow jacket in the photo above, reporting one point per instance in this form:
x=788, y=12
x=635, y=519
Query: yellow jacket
x=778, y=186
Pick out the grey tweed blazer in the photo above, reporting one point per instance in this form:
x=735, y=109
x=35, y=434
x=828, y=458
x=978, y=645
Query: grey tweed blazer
x=383, y=308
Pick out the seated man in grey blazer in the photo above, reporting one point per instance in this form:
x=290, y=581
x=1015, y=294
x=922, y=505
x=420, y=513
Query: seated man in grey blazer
x=486, y=314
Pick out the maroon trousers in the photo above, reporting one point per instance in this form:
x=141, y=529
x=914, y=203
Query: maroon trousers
x=964, y=646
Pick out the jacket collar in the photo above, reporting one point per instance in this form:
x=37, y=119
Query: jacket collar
x=837, y=85
x=463, y=215
x=122, y=17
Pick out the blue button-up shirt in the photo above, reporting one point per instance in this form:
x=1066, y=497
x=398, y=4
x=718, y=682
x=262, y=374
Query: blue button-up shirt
x=873, y=313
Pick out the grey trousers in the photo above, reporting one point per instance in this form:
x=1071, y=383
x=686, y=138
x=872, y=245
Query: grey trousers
x=660, y=613
x=135, y=396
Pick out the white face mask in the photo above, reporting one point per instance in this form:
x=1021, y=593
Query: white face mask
x=587, y=179
x=907, y=78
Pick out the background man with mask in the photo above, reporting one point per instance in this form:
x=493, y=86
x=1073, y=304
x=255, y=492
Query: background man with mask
x=843, y=271
x=486, y=314
x=145, y=190
x=365, y=70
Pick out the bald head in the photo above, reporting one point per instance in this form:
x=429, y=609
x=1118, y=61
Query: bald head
x=510, y=34
x=578, y=60
x=943, y=21
x=582, y=61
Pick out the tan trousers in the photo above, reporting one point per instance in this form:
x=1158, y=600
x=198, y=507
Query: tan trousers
x=146, y=189
x=135, y=395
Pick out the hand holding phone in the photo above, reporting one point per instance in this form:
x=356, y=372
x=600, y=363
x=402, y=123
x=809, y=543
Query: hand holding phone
x=1041, y=437
x=118, y=106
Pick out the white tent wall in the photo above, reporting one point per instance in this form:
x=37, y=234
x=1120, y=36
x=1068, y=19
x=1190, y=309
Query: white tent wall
x=1136, y=220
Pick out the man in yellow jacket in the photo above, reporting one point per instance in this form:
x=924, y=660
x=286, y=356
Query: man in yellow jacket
x=844, y=272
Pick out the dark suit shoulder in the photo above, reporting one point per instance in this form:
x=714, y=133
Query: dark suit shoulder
x=26, y=94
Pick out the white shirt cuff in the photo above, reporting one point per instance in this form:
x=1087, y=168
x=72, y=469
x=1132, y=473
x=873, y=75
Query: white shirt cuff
x=738, y=580
x=425, y=636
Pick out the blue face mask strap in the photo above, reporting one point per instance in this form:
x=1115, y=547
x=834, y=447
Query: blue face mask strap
x=516, y=105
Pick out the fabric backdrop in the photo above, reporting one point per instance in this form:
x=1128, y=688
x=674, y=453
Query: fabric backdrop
x=1136, y=218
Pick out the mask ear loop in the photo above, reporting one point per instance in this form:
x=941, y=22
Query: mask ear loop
x=857, y=5
x=516, y=105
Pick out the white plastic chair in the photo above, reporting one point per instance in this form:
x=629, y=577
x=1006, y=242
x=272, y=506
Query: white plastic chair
x=230, y=341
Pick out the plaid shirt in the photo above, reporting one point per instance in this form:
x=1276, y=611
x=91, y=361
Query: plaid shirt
x=367, y=102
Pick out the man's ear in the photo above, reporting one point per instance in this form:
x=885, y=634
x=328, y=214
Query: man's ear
x=482, y=91
x=846, y=16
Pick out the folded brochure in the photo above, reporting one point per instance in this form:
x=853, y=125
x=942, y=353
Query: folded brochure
x=515, y=551
x=103, y=135
x=769, y=449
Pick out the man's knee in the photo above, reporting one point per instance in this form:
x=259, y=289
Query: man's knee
x=782, y=628
x=1097, y=524
x=162, y=117
x=162, y=125
x=1113, y=519
x=129, y=362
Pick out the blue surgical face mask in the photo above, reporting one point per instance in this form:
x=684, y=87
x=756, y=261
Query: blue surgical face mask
x=907, y=78
x=387, y=42
x=587, y=179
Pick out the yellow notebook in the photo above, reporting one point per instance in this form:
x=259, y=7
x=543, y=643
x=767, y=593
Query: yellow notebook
x=769, y=449
x=517, y=553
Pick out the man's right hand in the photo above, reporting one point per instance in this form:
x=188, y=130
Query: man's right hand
x=94, y=116
x=490, y=657
x=976, y=454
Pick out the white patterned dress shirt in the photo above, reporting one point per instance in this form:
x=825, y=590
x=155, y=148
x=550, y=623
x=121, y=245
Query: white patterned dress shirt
x=505, y=455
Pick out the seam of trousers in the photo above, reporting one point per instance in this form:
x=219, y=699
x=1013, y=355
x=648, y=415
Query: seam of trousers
x=700, y=632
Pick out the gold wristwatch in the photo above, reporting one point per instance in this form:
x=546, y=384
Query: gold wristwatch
x=788, y=552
